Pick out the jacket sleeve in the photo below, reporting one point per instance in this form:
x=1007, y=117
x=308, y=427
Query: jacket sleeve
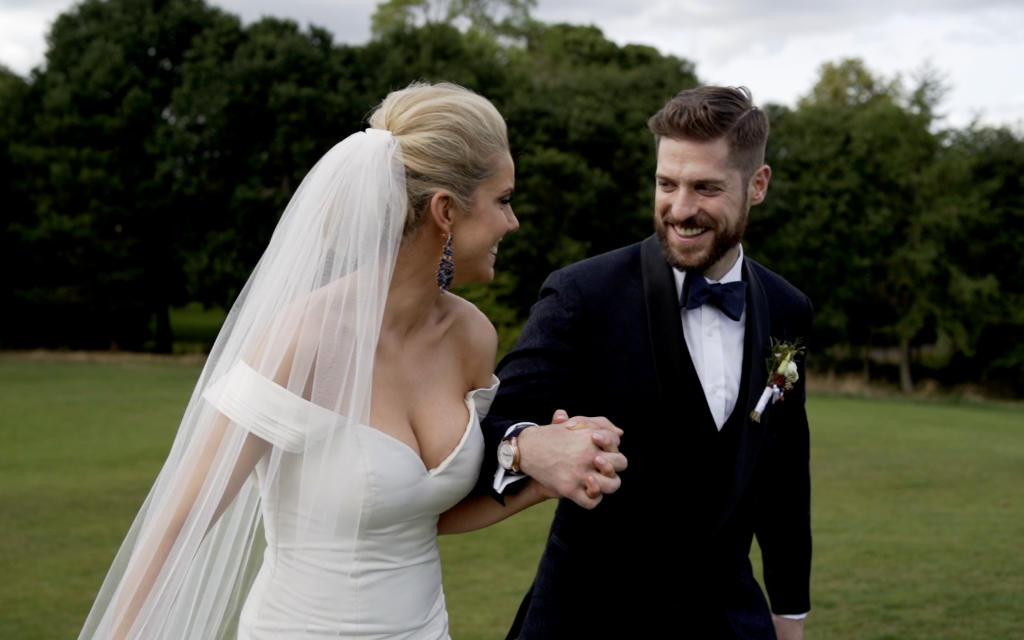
x=536, y=375
x=783, y=524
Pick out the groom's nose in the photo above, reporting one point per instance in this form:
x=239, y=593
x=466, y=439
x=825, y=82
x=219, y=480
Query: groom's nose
x=684, y=204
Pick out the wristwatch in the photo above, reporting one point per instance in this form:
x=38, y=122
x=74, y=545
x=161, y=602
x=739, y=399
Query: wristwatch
x=508, y=454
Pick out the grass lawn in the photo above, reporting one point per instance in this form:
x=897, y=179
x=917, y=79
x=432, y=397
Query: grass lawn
x=918, y=508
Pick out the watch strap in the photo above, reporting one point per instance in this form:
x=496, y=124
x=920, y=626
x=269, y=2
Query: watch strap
x=516, y=430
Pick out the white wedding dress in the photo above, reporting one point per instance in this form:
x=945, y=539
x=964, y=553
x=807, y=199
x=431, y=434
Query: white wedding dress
x=383, y=582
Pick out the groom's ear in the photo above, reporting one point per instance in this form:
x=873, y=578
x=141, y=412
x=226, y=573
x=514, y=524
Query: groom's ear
x=757, y=187
x=442, y=210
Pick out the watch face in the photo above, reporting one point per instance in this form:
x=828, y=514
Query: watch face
x=505, y=455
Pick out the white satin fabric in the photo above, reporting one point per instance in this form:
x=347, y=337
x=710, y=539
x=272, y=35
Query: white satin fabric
x=385, y=580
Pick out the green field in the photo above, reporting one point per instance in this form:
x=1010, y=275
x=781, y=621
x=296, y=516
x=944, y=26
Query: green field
x=918, y=509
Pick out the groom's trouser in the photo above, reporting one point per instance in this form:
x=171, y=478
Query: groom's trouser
x=592, y=599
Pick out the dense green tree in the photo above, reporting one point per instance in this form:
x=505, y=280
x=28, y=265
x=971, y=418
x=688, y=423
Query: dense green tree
x=994, y=249
x=15, y=215
x=867, y=211
x=98, y=244
x=256, y=108
x=435, y=52
x=493, y=17
x=576, y=105
x=577, y=113
x=849, y=83
x=147, y=164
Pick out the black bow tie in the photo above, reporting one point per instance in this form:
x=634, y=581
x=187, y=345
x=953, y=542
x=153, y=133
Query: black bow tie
x=729, y=297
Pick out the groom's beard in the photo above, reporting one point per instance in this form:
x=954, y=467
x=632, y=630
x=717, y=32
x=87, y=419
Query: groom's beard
x=725, y=238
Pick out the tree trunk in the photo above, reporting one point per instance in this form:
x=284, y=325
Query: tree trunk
x=906, y=381
x=164, y=336
x=866, y=357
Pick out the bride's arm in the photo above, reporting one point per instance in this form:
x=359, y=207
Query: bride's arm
x=479, y=511
x=157, y=540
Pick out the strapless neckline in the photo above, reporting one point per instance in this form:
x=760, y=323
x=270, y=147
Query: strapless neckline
x=473, y=413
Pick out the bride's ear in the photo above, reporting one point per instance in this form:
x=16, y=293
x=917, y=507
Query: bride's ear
x=442, y=211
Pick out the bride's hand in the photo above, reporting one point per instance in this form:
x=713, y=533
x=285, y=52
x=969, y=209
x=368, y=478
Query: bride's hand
x=541, y=491
x=598, y=423
x=584, y=422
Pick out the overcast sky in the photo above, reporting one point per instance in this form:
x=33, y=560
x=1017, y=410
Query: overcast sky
x=775, y=48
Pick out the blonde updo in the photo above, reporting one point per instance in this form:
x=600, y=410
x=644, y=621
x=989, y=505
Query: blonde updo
x=451, y=139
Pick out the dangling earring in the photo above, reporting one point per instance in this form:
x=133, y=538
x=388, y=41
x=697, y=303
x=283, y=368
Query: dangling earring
x=446, y=267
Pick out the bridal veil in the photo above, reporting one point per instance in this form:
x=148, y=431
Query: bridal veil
x=306, y=326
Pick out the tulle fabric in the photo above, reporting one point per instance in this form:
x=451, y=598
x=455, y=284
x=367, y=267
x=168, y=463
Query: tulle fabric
x=305, y=325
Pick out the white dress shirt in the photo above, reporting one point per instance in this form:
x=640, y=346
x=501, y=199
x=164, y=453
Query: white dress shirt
x=715, y=342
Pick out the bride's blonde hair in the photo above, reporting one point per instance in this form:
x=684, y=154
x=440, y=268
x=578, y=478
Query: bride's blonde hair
x=451, y=139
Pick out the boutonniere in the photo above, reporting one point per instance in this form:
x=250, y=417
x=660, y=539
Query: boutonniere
x=782, y=374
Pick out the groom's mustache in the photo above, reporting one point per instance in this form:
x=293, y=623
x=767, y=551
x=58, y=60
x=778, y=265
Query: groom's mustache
x=699, y=221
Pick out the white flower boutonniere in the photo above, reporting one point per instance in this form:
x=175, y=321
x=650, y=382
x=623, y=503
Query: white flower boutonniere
x=782, y=375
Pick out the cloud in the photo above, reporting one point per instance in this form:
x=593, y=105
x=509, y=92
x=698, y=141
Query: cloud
x=775, y=48
x=23, y=24
x=722, y=29
x=978, y=55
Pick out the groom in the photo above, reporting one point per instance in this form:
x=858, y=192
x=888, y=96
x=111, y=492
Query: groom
x=667, y=339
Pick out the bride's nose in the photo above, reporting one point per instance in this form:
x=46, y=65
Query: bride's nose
x=513, y=221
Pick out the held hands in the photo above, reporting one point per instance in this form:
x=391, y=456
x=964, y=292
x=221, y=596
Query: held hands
x=594, y=489
x=575, y=458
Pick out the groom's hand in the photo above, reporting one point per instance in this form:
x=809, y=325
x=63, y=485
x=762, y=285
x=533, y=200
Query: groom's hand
x=576, y=458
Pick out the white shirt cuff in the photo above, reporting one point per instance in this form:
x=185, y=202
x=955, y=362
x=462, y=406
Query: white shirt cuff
x=793, y=616
x=502, y=477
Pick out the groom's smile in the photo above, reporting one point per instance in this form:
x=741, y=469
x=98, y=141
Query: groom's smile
x=688, y=233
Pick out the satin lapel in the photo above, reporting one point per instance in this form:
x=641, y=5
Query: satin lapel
x=756, y=345
x=672, y=360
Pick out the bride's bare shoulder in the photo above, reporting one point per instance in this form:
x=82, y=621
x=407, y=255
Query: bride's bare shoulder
x=475, y=339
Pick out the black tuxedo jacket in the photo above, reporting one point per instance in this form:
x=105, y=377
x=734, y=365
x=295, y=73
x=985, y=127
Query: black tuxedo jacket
x=667, y=555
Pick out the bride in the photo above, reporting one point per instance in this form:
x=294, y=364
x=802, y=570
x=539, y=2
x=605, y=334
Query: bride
x=337, y=417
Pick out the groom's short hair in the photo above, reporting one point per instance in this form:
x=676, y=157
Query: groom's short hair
x=705, y=114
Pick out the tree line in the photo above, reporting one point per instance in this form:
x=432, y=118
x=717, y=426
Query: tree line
x=146, y=163
x=906, y=235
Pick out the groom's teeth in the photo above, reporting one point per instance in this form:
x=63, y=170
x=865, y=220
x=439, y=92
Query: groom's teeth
x=689, y=232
